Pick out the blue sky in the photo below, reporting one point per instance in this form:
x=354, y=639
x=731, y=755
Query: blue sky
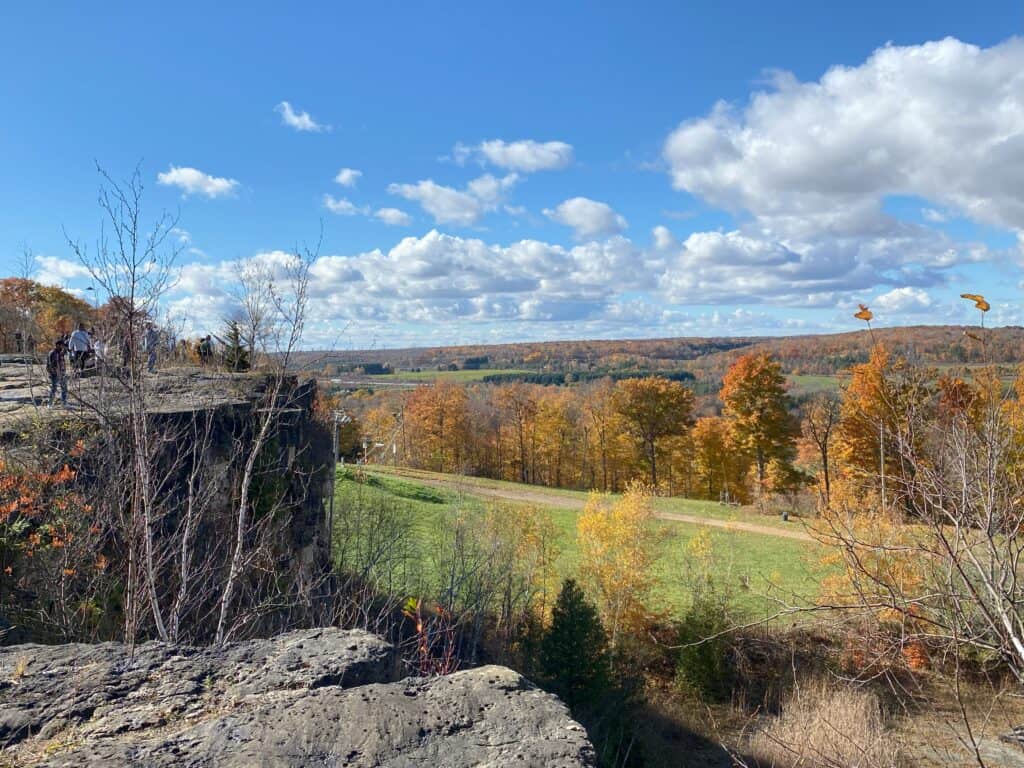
x=539, y=170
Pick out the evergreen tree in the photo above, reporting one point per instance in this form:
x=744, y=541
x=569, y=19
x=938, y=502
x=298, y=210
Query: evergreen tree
x=574, y=650
x=236, y=356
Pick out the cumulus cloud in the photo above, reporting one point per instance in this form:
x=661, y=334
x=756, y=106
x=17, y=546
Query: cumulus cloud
x=904, y=301
x=53, y=270
x=588, y=218
x=942, y=121
x=300, y=121
x=348, y=177
x=806, y=168
x=610, y=286
x=525, y=156
x=663, y=238
x=464, y=207
x=741, y=267
x=343, y=207
x=393, y=216
x=192, y=181
x=440, y=278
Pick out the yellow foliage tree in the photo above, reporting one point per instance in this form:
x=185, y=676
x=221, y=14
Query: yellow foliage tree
x=654, y=408
x=609, y=448
x=616, y=543
x=720, y=466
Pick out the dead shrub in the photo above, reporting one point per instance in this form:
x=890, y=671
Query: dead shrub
x=825, y=726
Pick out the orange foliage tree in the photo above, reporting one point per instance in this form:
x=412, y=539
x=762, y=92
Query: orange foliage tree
x=884, y=398
x=755, y=401
x=437, y=426
x=41, y=311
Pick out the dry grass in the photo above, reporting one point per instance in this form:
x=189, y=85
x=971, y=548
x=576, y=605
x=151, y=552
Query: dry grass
x=20, y=668
x=823, y=725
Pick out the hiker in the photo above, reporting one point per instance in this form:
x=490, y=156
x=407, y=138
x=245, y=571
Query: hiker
x=205, y=349
x=81, y=348
x=56, y=367
x=151, y=341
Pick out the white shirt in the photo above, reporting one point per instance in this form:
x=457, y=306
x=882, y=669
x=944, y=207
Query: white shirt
x=79, y=341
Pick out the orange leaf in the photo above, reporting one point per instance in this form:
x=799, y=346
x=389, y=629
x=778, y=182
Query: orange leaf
x=978, y=299
x=864, y=314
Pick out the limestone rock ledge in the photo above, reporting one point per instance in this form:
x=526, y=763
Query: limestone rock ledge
x=323, y=697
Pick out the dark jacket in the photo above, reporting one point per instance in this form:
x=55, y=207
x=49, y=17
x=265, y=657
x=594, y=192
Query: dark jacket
x=56, y=365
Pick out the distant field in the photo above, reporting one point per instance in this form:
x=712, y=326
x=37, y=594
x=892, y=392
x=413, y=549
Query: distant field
x=425, y=376
x=756, y=568
x=807, y=385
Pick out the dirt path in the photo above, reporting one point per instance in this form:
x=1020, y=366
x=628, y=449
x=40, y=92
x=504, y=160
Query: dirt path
x=540, y=497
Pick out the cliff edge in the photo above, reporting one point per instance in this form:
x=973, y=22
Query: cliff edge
x=323, y=697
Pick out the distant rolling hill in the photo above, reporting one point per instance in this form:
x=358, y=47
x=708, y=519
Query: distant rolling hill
x=707, y=358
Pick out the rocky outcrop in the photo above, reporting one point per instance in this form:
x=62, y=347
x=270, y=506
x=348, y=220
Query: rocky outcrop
x=202, y=426
x=322, y=697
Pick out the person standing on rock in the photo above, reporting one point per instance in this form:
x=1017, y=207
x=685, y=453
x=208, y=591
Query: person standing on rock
x=205, y=350
x=80, y=346
x=56, y=367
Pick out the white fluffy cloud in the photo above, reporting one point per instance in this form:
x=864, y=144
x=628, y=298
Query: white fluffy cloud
x=439, y=278
x=342, y=206
x=943, y=121
x=904, y=301
x=393, y=216
x=52, y=270
x=738, y=267
x=806, y=168
x=192, y=181
x=300, y=121
x=348, y=177
x=463, y=207
x=588, y=218
x=526, y=156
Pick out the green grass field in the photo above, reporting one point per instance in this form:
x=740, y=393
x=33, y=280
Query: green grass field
x=466, y=485
x=755, y=568
x=458, y=376
x=801, y=384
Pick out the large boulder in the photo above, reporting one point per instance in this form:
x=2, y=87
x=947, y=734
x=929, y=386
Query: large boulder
x=323, y=697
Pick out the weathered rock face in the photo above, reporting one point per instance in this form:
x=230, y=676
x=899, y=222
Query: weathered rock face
x=202, y=426
x=323, y=697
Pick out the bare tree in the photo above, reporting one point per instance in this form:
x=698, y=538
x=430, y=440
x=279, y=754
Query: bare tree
x=943, y=574
x=821, y=417
x=275, y=308
x=134, y=265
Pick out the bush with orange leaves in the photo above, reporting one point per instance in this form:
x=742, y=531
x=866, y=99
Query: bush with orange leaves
x=53, y=569
x=875, y=565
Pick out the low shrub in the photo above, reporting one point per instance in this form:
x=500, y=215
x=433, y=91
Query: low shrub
x=825, y=726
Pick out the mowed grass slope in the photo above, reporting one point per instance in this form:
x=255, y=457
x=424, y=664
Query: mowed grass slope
x=758, y=570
